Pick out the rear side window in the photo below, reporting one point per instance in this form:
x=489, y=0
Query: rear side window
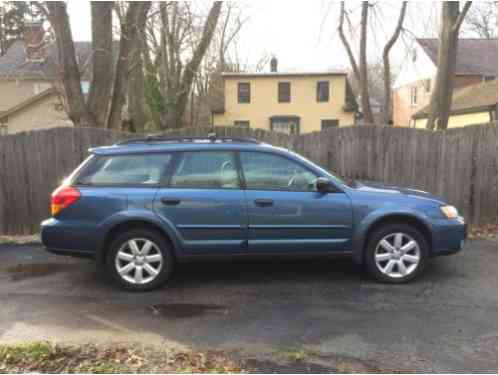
x=145, y=169
x=206, y=170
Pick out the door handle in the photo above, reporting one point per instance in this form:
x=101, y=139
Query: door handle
x=263, y=202
x=170, y=201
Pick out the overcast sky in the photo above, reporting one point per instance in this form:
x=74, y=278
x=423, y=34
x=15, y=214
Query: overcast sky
x=302, y=34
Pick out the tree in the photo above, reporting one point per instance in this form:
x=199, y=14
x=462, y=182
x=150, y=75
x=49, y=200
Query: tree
x=176, y=75
x=109, y=80
x=77, y=109
x=482, y=20
x=13, y=16
x=387, y=65
x=102, y=60
x=440, y=104
x=135, y=15
x=360, y=70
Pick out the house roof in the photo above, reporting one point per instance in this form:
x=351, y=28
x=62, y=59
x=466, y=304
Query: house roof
x=470, y=99
x=27, y=103
x=474, y=56
x=283, y=74
x=15, y=65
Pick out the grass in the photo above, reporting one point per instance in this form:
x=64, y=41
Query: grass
x=44, y=357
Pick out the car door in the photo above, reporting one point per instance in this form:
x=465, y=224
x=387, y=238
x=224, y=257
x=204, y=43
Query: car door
x=203, y=200
x=287, y=213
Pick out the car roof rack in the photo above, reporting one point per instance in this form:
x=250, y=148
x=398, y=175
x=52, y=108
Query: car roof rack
x=211, y=138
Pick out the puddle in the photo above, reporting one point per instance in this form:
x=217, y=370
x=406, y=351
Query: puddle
x=27, y=271
x=298, y=367
x=186, y=310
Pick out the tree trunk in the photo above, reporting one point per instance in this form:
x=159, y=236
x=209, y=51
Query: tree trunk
x=102, y=63
x=368, y=118
x=387, y=65
x=179, y=94
x=440, y=105
x=128, y=29
x=136, y=83
x=71, y=79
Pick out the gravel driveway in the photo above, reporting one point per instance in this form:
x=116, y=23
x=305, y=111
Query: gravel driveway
x=309, y=311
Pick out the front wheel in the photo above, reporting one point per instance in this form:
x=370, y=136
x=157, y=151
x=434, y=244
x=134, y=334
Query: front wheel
x=396, y=253
x=140, y=260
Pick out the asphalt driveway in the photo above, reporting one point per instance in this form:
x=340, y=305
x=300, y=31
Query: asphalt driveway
x=446, y=321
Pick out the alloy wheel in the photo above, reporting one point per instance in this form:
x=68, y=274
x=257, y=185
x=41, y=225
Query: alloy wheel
x=397, y=255
x=139, y=261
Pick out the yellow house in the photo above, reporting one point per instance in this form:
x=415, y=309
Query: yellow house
x=292, y=103
x=471, y=105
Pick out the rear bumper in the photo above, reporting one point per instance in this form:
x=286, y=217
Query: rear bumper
x=68, y=238
x=449, y=236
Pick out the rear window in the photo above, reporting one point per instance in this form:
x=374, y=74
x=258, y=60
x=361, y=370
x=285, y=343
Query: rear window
x=146, y=169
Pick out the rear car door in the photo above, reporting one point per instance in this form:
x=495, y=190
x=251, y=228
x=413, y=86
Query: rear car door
x=203, y=200
x=286, y=213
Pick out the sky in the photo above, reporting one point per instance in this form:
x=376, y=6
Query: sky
x=303, y=34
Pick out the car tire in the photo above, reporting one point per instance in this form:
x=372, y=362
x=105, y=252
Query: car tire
x=387, y=257
x=140, y=260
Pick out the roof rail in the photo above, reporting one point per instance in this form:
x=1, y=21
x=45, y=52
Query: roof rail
x=177, y=139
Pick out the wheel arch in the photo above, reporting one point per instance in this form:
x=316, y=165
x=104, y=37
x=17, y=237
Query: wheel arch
x=393, y=218
x=134, y=223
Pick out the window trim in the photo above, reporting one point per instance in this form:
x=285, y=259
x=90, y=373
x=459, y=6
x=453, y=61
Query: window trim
x=278, y=155
x=329, y=127
x=289, y=98
x=239, y=125
x=75, y=181
x=318, y=91
x=238, y=92
x=414, y=95
x=286, y=118
x=176, y=162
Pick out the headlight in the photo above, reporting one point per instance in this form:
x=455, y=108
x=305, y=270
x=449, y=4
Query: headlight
x=450, y=212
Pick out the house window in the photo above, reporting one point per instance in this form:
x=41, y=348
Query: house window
x=413, y=96
x=284, y=92
x=322, y=91
x=427, y=85
x=330, y=123
x=244, y=92
x=242, y=124
x=4, y=129
x=489, y=78
x=285, y=124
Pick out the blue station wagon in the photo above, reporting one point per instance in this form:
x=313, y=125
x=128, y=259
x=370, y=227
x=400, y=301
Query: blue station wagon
x=141, y=206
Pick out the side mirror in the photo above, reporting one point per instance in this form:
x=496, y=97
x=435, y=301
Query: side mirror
x=323, y=185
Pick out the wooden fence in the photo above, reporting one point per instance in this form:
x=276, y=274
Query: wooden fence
x=458, y=164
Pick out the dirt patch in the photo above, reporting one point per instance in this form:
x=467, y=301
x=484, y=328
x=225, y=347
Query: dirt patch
x=42, y=357
x=27, y=271
x=271, y=367
x=186, y=310
x=33, y=239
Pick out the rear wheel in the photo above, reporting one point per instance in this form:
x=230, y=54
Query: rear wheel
x=140, y=260
x=396, y=253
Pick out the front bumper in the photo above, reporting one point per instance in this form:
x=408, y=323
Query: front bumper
x=449, y=236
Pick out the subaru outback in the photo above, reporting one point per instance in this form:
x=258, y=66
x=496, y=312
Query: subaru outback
x=141, y=206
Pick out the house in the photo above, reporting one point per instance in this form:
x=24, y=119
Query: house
x=30, y=82
x=287, y=102
x=476, y=62
x=475, y=104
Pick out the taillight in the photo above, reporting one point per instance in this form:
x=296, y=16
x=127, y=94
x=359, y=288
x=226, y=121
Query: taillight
x=63, y=197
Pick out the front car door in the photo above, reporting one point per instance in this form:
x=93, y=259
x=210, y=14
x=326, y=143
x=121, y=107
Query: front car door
x=203, y=200
x=287, y=213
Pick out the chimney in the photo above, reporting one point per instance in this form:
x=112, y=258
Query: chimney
x=273, y=64
x=34, y=40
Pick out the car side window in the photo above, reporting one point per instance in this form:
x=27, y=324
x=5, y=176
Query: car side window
x=206, y=170
x=264, y=171
x=139, y=169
